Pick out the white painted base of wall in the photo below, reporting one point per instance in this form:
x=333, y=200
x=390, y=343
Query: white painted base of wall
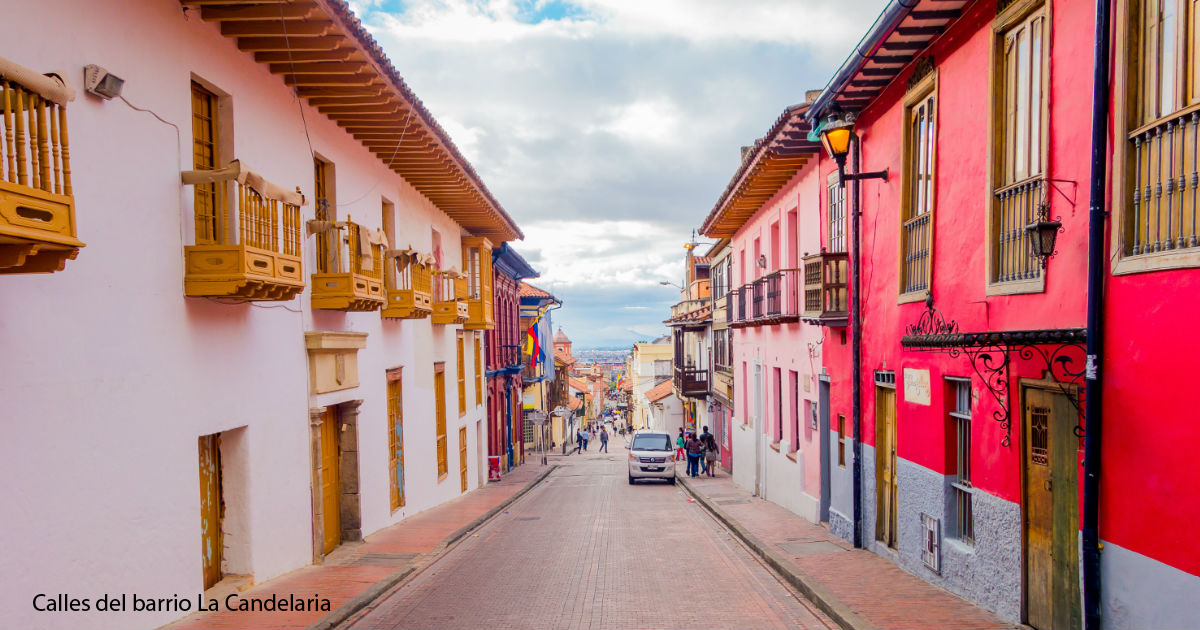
x=785, y=483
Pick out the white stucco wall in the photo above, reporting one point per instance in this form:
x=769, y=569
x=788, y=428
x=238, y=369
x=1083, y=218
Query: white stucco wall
x=793, y=346
x=111, y=374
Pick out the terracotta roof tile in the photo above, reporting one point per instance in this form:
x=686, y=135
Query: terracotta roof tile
x=660, y=391
x=528, y=290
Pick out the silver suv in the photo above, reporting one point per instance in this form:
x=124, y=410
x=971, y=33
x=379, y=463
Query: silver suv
x=651, y=456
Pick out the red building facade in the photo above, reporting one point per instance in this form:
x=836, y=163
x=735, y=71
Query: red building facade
x=506, y=430
x=971, y=380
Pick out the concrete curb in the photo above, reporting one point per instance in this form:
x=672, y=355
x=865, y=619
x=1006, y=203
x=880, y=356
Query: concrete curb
x=380, y=588
x=842, y=614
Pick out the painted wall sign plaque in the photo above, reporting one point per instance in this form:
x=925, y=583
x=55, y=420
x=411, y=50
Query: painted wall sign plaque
x=916, y=386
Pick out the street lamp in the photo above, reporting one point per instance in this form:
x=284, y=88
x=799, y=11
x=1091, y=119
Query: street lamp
x=670, y=284
x=837, y=135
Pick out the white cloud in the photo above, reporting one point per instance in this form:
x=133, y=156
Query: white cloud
x=609, y=132
x=654, y=120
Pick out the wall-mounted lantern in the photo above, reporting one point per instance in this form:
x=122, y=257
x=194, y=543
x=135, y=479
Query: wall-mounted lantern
x=837, y=136
x=1043, y=235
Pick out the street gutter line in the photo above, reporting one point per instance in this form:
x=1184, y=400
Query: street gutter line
x=381, y=588
x=829, y=604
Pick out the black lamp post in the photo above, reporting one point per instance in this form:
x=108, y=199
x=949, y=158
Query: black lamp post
x=837, y=135
x=1043, y=234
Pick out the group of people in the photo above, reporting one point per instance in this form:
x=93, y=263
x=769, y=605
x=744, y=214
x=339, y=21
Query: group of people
x=701, y=451
x=583, y=436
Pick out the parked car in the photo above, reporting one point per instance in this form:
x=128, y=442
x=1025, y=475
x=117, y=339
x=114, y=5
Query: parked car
x=652, y=456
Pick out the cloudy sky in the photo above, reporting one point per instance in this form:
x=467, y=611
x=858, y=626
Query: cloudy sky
x=608, y=128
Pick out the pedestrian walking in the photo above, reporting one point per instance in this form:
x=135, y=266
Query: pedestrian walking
x=711, y=452
x=603, y=440
x=679, y=446
x=585, y=439
x=695, y=450
x=578, y=441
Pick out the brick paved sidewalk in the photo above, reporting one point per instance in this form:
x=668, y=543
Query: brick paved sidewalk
x=356, y=571
x=856, y=587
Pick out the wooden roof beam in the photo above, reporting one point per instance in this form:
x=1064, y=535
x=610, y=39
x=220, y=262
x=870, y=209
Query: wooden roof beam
x=283, y=44
x=298, y=56
x=210, y=3
x=332, y=80
x=938, y=14
x=320, y=67
x=276, y=28
x=288, y=11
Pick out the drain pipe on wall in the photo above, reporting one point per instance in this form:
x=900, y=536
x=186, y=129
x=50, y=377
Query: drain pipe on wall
x=856, y=348
x=1097, y=255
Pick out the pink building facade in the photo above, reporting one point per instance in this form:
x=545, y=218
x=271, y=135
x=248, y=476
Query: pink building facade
x=776, y=357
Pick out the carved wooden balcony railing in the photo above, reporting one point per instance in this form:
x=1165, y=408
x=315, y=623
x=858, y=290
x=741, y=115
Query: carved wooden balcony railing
x=37, y=207
x=477, y=262
x=408, y=280
x=449, y=297
x=350, y=278
x=691, y=381
x=256, y=256
x=826, y=292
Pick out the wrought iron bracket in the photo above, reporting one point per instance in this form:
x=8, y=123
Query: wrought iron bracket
x=1061, y=351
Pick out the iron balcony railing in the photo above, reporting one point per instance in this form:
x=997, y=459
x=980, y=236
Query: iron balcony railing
x=739, y=296
x=826, y=288
x=1166, y=185
x=758, y=291
x=1017, y=205
x=783, y=295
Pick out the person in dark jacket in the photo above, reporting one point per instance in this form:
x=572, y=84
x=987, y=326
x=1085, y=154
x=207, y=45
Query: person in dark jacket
x=711, y=452
x=695, y=450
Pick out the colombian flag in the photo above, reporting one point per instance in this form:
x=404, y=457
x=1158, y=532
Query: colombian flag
x=532, y=346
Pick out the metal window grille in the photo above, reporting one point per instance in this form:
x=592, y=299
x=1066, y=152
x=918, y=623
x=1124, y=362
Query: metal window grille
x=885, y=378
x=931, y=548
x=960, y=415
x=837, y=217
x=917, y=227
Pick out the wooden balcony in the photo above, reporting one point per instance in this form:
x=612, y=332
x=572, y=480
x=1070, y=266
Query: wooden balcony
x=37, y=208
x=826, y=289
x=449, y=297
x=260, y=263
x=408, y=279
x=351, y=275
x=691, y=381
x=477, y=262
x=782, y=299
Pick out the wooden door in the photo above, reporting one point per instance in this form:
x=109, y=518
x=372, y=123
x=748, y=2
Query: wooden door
x=396, y=439
x=439, y=396
x=885, y=465
x=1051, y=511
x=331, y=481
x=212, y=508
x=462, y=457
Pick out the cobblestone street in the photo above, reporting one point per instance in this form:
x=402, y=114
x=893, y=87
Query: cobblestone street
x=587, y=550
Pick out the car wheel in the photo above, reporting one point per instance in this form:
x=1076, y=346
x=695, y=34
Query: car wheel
x=631, y=480
x=672, y=480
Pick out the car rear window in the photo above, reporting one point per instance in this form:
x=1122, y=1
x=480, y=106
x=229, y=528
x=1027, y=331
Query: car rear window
x=651, y=443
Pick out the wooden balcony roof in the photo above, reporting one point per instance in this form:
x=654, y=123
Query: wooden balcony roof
x=766, y=167
x=322, y=51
